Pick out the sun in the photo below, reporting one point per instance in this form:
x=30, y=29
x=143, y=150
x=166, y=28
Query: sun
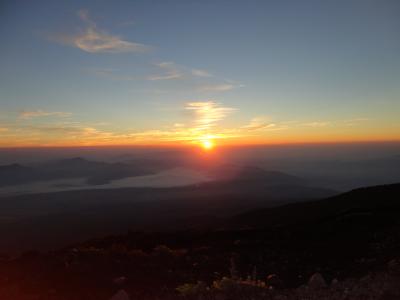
x=207, y=144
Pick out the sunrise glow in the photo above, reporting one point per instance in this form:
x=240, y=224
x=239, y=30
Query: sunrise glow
x=125, y=85
x=207, y=145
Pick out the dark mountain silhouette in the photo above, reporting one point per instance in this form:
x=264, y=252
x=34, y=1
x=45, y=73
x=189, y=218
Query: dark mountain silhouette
x=14, y=174
x=363, y=203
x=242, y=174
x=353, y=235
x=93, y=171
x=55, y=219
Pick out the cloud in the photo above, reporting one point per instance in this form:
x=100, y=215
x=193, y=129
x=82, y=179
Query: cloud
x=111, y=74
x=170, y=71
x=317, y=124
x=355, y=121
x=350, y=122
x=201, y=73
x=205, y=118
x=259, y=123
x=196, y=79
x=207, y=114
x=94, y=40
x=3, y=129
x=65, y=134
x=216, y=87
x=41, y=113
x=200, y=80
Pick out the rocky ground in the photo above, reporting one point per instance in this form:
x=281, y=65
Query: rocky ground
x=384, y=285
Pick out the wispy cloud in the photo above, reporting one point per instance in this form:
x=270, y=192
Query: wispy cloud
x=94, y=40
x=216, y=87
x=42, y=113
x=207, y=114
x=205, y=118
x=3, y=129
x=199, y=79
x=355, y=121
x=317, y=124
x=201, y=73
x=333, y=123
x=258, y=124
x=64, y=134
x=111, y=74
x=169, y=71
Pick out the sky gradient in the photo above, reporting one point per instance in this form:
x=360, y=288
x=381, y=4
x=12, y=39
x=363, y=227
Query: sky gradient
x=182, y=72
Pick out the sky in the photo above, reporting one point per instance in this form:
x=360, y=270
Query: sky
x=76, y=73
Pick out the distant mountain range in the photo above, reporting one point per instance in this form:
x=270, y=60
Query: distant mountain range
x=94, y=172
x=54, y=219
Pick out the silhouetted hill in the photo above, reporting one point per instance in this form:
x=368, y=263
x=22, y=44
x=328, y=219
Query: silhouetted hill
x=243, y=174
x=14, y=174
x=351, y=235
x=362, y=203
x=93, y=171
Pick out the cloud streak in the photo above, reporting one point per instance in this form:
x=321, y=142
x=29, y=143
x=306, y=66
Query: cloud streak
x=201, y=73
x=112, y=74
x=42, y=113
x=217, y=87
x=94, y=40
x=169, y=71
x=207, y=114
x=172, y=70
x=200, y=80
x=317, y=124
x=259, y=124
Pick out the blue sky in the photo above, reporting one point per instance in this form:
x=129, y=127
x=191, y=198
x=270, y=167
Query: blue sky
x=130, y=71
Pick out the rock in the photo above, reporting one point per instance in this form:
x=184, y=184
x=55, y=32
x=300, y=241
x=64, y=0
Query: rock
x=121, y=295
x=366, y=279
x=334, y=282
x=394, y=267
x=220, y=296
x=274, y=281
x=317, y=281
x=119, y=280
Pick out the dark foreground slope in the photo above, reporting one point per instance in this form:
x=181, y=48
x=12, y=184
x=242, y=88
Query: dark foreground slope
x=370, y=205
x=351, y=235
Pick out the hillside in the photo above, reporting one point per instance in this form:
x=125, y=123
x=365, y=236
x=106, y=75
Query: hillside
x=348, y=236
